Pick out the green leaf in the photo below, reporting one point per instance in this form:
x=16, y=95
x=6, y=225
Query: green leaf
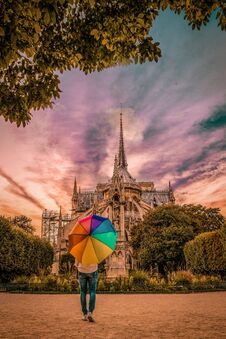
x=141, y=15
x=37, y=13
x=36, y=38
x=141, y=21
x=79, y=56
x=92, y=3
x=6, y=18
x=94, y=32
x=46, y=18
x=37, y=27
x=53, y=17
x=30, y=51
x=2, y=32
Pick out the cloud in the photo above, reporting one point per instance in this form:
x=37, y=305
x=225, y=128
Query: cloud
x=19, y=190
x=173, y=115
x=216, y=120
x=205, y=154
x=8, y=209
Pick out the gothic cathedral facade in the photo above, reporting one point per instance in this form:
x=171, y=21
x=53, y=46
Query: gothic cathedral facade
x=124, y=201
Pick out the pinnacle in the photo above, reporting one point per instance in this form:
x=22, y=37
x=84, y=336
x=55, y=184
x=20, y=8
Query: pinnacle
x=121, y=154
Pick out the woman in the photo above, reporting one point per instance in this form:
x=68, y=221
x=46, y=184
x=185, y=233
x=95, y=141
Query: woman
x=88, y=276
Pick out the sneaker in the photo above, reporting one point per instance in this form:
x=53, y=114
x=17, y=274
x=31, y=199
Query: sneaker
x=90, y=317
x=85, y=317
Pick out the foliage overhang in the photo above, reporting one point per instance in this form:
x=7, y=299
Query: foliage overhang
x=40, y=37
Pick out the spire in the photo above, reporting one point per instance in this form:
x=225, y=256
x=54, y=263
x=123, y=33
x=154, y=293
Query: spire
x=75, y=188
x=115, y=170
x=121, y=153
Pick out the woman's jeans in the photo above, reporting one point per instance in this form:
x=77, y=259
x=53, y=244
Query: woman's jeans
x=88, y=283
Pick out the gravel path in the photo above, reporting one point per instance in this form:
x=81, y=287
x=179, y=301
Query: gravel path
x=117, y=316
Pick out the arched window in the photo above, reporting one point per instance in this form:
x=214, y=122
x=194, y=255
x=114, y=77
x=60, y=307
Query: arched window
x=116, y=198
x=126, y=236
x=113, y=257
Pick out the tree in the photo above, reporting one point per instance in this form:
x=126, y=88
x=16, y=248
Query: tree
x=6, y=255
x=22, y=253
x=206, y=219
x=40, y=37
x=161, y=237
x=67, y=262
x=205, y=254
x=24, y=223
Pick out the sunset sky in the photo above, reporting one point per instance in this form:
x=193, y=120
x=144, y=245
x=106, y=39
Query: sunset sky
x=174, y=127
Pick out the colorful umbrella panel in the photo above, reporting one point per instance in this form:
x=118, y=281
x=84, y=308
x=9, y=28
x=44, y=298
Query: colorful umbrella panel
x=92, y=239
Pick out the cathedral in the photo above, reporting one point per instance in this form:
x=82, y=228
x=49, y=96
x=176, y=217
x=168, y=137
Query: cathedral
x=123, y=200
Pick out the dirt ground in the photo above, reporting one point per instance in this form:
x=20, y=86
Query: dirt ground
x=117, y=316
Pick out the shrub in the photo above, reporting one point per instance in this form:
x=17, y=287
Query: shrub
x=157, y=283
x=63, y=285
x=49, y=282
x=104, y=284
x=139, y=280
x=125, y=284
x=179, y=278
x=101, y=285
x=112, y=289
x=34, y=279
x=205, y=254
x=21, y=279
x=206, y=282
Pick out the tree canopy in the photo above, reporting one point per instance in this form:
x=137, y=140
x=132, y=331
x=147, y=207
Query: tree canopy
x=205, y=219
x=160, y=238
x=40, y=37
x=24, y=223
x=22, y=253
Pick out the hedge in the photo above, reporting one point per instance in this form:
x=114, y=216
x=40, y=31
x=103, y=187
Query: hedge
x=205, y=254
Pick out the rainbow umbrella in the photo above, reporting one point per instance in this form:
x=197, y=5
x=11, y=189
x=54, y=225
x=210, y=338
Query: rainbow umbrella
x=92, y=239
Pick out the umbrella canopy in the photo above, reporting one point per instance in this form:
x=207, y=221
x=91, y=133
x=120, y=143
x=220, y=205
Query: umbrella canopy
x=92, y=239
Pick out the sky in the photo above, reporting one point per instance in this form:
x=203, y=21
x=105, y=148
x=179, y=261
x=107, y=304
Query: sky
x=174, y=116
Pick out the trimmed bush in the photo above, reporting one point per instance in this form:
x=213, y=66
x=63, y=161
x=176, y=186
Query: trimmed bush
x=206, y=253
